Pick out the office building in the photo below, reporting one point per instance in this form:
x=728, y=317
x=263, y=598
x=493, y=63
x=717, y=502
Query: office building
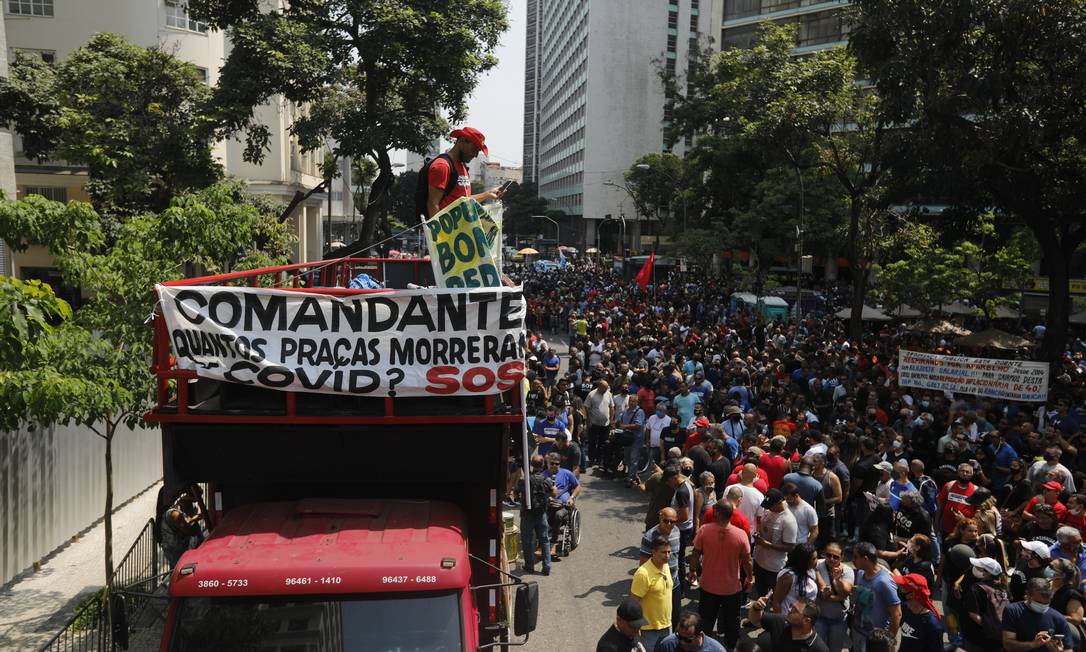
x=595, y=103
x=822, y=23
x=51, y=29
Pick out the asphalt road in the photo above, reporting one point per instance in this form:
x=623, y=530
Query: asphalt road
x=577, y=601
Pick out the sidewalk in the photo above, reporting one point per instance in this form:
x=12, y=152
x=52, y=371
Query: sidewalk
x=37, y=604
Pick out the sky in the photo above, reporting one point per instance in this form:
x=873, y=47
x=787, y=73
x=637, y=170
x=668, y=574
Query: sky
x=496, y=108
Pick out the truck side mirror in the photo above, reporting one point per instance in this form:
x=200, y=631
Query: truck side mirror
x=526, y=609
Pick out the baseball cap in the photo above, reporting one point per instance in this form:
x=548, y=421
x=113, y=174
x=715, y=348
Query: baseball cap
x=772, y=497
x=1038, y=548
x=988, y=565
x=1052, y=485
x=630, y=611
x=472, y=134
x=701, y=422
x=917, y=585
x=885, y=466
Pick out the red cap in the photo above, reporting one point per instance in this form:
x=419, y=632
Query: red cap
x=474, y=135
x=1052, y=485
x=917, y=585
x=701, y=422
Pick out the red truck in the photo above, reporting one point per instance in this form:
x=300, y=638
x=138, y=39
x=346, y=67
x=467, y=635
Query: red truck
x=338, y=522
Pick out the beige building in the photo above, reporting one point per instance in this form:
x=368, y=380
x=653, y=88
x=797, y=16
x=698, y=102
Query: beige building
x=51, y=29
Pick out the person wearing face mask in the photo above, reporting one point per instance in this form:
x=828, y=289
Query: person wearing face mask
x=654, y=428
x=1032, y=625
x=1075, y=516
x=953, y=499
x=1067, y=598
x=983, y=604
x=921, y=628
x=1032, y=561
x=1069, y=546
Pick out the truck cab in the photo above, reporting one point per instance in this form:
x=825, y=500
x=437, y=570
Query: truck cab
x=338, y=522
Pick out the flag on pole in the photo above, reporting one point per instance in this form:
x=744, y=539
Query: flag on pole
x=645, y=274
x=561, y=259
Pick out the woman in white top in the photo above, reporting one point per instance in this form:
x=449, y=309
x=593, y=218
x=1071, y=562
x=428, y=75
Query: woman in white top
x=797, y=578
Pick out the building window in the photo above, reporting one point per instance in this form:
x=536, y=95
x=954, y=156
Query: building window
x=202, y=73
x=177, y=15
x=30, y=7
x=47, y=56
x=55, y=193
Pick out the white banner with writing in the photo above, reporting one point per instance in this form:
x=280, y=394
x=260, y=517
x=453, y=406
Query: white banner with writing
x=429, y=342
x=1014, y=380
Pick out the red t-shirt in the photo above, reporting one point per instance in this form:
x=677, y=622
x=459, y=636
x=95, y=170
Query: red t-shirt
x=1058, y=507
x=723, y=549
x=1070, y=520
x=438, y=177
x=775, y=468
x=759, y=482
x=739, y=519
x=955, y=499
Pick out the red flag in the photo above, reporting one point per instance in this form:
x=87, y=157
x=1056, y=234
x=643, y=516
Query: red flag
x=645, y=274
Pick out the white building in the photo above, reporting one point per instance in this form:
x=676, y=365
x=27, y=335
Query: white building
x=594, y=101
x=53, y=28
x=494, y=174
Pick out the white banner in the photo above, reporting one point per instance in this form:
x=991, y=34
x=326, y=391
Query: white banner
x=1014, y=380
x=402, y=343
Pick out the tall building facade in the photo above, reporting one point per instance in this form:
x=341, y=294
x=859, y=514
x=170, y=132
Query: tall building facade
x=51, y=29
x=597, y=102
x=822, y=23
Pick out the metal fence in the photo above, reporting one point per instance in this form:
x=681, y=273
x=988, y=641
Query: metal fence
x=138, y=578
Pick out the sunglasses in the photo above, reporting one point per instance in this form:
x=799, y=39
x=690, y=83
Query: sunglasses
x=687, y=639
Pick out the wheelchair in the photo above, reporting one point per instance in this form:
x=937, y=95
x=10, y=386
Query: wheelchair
x=565, y=533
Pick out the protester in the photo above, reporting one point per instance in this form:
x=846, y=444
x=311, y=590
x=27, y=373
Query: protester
x=623, y=635
x=652, y=586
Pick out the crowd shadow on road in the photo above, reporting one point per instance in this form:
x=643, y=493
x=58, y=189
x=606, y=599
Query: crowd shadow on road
x=612, y=594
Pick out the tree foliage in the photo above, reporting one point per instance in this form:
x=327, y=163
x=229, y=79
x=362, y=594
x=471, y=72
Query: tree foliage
x=656, y=183
x=136, y=117
x=990, y=94
x=91, y=368
x=368, y=75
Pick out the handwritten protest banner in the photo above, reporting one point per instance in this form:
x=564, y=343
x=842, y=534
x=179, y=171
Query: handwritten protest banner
x=464, y=241
x=402, y=343
x=1015, y=380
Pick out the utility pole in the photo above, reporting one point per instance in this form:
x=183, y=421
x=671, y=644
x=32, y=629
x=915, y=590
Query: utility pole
x=799, y=251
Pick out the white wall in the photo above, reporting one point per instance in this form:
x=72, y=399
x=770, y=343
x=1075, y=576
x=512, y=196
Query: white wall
x=52, y=486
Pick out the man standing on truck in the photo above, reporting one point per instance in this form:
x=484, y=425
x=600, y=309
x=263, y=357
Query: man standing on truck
x=533, y=522
x=446, y=184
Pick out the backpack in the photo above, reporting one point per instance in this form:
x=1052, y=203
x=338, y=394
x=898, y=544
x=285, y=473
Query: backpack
x=992, y=618
x=540, y=487
x=422, y=186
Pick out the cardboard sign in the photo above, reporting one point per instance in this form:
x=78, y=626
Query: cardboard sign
x=402, y=343
x=1014, y=380
x=464, y=241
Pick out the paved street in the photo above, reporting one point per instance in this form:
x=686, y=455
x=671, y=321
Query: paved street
x=578, y=600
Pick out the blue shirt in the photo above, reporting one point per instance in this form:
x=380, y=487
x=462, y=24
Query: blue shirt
x=565, y=481
x=1002, y=457
x=1080, y=561
x=550, y=429
x=1025, y=623
x=875, y=607
x=896, y=489
x=685, y=407
x=671, y=644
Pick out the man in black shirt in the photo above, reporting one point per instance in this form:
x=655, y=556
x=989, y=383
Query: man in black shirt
x=570, y=452
x=792, y=632
x=623, y=635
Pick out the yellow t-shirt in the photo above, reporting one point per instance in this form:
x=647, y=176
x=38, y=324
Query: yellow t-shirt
x=652, y=588
x=581, y=326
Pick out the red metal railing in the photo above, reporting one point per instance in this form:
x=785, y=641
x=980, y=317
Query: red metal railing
x=325, y=277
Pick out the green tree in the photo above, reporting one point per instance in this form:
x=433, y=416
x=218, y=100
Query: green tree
x=369, y=75
x=756, y=113
x=520, y=203
x=990, y=97
x=402, y=198
x=91, y=369
x=656, y=183
x=29, y=310
x=134, y=116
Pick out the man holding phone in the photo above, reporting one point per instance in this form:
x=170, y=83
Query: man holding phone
x=447, y=175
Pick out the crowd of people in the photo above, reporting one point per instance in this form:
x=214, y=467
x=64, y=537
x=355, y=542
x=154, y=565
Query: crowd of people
x=793, y=487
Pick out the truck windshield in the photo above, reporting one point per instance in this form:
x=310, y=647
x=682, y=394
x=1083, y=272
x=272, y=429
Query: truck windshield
x=387, y=622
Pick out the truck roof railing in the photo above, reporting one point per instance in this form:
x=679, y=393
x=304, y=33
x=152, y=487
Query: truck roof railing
x=182, y=396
